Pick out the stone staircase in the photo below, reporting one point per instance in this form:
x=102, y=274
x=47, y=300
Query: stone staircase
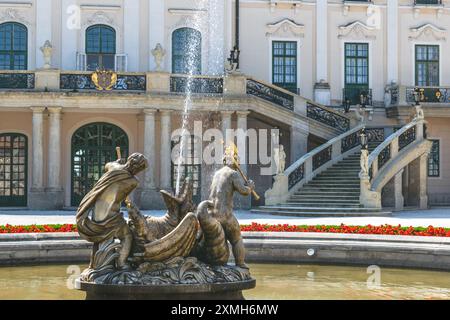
x=334, y=193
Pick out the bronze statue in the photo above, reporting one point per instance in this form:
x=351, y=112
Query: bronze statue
x=103, y=202
x=216, y=217
x=186, y=246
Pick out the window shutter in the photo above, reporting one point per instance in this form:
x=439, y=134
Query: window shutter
x=81, y=61
x=121, y=64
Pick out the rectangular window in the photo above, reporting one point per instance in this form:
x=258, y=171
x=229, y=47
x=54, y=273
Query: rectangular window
x=434, y=160
x=356, y=70
x=284, y=64
x=427, y=65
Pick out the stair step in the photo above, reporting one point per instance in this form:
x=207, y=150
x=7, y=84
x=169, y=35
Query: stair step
x=343, y=179
x=315, y=209
x=325, y=197
x=332, y=185
x=326, y=194
x=341, y=205
x=323, y=214
x=328, y=189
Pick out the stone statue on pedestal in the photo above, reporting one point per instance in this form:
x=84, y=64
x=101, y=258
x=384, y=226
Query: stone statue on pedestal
x=280, y=159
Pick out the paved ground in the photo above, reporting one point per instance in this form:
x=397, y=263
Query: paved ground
x=436, y=217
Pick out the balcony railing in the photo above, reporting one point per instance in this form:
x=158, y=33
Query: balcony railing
x=354, y=95
x=196, y=84
x=429, y=94
x=17, y=80
x=427, y=2
x=83, y=81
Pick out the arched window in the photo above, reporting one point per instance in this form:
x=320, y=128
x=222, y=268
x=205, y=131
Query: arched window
x=100, y=47
x=13, y=46
x=93, y=146
x=186, y=51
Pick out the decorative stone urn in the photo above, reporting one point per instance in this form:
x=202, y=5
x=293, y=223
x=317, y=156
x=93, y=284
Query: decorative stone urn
x=47, y=50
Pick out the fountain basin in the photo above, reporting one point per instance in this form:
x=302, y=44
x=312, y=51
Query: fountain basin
x=213, y=291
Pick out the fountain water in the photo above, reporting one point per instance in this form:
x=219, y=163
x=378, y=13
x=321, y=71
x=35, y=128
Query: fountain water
x=193, y=43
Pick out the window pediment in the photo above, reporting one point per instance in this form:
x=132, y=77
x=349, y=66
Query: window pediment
x=356, y=30
x=286, y=28
x=10, y=14
x=427, y=32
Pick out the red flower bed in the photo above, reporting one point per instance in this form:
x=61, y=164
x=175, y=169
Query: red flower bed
x=38, y=228
x=369, y=229
x=256, y=227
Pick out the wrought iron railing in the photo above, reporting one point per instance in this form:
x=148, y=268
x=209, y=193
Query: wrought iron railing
x=17, y=80
x=277, y=96
x=328, y=117
x=427, y=2
x=296, y=175
x=429, y=94
x=393, y=144
x=353, y=140
x=384, y=156
x=406, y=138
x=83, y=81
x=321, y=158
x=354, y=95
x=375, y=134
x=196, y=84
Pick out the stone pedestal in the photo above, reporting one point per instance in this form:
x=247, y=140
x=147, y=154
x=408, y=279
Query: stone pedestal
x=214, y=291
x=158, y=82
x=322, y=93
x=279, y=192
x=368, y=198
x=47, y=79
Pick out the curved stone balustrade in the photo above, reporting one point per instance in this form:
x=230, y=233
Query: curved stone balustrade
x=389, y=159
x=310, y=165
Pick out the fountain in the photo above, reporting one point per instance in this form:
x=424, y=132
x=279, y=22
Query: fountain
x=182, y=255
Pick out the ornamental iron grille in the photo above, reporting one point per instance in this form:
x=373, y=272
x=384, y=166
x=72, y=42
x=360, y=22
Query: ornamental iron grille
x=429, y=95
x=434, y=160
x=100, y=47
x=77, y=82
x=321, y=158
x=191, y=165
x=284, y=65
x=384, y=156
x=296, y=176
x=270, y=94
x=427, y=2
x=329, y=118
x=351, y=141
x=375, y=134
x=93, y=146
x=13, y=46
x=407, y=138
x=13, y=170
x=187, y=51
x=17, y=80
x=196, y=85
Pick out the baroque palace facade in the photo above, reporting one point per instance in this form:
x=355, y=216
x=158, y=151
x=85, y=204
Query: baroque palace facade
x=301, y=62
